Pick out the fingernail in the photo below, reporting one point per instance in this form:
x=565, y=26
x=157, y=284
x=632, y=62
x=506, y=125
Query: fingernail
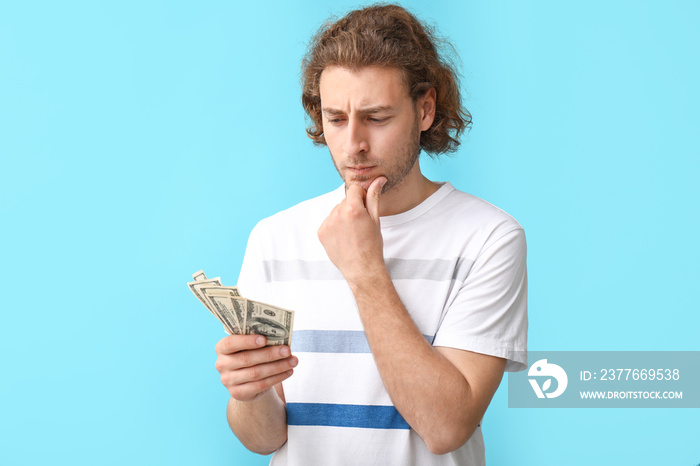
x=293, y=362
x=260, y=341
x=284, y=351
x=382, y=182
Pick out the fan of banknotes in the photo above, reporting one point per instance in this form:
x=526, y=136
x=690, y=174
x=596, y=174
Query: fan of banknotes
x=241, y=316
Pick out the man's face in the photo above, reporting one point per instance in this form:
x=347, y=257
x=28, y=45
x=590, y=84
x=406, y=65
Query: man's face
x=370, y=124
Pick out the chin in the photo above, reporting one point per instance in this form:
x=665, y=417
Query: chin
x=363, y=183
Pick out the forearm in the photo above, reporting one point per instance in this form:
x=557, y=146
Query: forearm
x=426, y=388
x=442, y=393
x=260, y=424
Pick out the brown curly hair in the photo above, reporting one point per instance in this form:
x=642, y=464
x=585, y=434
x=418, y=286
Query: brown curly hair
x=388, y=36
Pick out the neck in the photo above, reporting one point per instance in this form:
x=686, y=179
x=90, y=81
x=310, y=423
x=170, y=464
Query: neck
x=411, y=191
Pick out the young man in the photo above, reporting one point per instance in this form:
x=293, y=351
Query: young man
x=409, y=296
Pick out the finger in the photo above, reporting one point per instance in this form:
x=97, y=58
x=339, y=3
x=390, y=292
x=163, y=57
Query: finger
x=258, y=372
x=325, y=226
x=355, y=196
x=373, y=193
x=235, y=343
x=251, y=390
x=249, y=358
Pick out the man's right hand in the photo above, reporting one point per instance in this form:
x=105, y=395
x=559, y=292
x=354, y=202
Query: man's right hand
x=248, y=368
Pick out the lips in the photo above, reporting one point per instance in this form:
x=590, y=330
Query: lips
x=361, y=169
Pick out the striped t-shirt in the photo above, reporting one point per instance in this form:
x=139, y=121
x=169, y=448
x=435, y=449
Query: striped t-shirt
x=458, y=264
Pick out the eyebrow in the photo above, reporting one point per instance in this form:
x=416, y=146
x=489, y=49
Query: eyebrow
x=364, y=111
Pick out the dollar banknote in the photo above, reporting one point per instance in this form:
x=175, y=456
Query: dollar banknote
x=241, y=316
x=201, y=281
x=273, y=322
x=224, y=303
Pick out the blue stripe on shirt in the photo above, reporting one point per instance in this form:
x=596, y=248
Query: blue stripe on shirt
x=337, y=415
x=333, y=341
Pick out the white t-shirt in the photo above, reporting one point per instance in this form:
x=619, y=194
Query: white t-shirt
x=459, y=265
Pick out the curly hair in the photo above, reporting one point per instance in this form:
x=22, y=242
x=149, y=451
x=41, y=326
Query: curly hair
x=387, y=36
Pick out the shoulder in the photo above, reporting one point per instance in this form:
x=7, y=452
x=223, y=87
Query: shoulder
x=303, y=213
x=475, y=211
x=297, y=226
x=472, y=218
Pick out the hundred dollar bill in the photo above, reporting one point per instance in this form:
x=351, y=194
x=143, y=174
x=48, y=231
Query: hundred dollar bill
x=271, y=321
x=201, y=281
x=221, y=297
x=199, y=288
x=241, y=316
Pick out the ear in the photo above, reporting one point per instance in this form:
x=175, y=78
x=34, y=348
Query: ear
x=426, y=109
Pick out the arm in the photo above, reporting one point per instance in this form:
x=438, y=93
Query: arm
x=441, y=392
x=426, y=384
x=253, y=374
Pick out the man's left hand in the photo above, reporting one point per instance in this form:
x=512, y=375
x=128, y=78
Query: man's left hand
x=351, y=234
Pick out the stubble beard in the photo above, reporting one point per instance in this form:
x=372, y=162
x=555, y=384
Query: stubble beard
x=395, y=174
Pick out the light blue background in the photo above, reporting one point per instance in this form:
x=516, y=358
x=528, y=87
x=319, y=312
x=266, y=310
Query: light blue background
x=141, y=141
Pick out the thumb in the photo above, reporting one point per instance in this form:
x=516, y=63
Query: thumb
x=373, y=193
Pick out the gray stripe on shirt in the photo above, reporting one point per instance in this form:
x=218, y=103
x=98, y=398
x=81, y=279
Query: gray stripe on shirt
x=399, y=269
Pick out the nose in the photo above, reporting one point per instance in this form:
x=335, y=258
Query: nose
x=356, y=140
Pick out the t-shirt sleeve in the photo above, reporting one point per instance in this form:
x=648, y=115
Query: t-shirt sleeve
x=489, y=312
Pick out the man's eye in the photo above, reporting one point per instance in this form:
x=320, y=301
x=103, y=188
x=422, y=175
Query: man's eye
x=378, y=120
